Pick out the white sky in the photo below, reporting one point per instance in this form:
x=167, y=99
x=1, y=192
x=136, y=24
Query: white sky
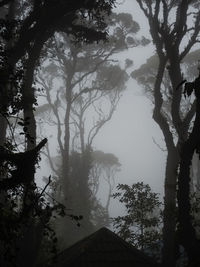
x=130, y=133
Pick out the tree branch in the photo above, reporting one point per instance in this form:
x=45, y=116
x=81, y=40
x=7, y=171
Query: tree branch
x=23, y=162
x=157, y=115
x=193, y=38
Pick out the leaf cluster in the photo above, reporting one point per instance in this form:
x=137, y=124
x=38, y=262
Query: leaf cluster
x=141, y=224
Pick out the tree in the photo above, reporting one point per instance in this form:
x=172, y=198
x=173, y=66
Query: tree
x=104, y=166
x=92, y=83
x=168, y=39
x=26, y=32
x=36, y=29
x=25, y=28
x=81, y=63
x=188, y=237
x=74, y=183
x=141, y=224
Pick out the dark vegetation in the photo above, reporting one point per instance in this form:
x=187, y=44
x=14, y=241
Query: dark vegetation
x=57, y=67
x=142, y=224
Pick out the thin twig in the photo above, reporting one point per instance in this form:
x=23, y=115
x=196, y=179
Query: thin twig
x=44, y=189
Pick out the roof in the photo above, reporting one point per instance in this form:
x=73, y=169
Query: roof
x=102, y=249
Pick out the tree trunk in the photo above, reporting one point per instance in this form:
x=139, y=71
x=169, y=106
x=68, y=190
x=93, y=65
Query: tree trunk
x=169, y=218
x=187, y=235
x=4, y=87
x=3, y=126
x=30, y=237
x=171, y=171
x=66, y=152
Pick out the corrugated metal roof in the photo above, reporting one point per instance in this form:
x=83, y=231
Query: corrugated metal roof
x=103, y=249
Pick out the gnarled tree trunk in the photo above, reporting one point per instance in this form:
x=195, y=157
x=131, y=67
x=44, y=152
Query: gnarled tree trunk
x=186, y=231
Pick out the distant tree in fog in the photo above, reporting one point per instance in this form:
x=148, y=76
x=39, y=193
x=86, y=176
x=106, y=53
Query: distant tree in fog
x=104, y=169
x=89, y=84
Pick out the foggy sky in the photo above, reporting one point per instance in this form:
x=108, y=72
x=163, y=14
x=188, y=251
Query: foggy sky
x=130, y=133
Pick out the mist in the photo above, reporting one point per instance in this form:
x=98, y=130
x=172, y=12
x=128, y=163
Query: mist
x=99, y=133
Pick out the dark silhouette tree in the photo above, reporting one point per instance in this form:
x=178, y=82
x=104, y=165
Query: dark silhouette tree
x=27, y=39
x=25, y=27
x=186, y=231
x=171, y=48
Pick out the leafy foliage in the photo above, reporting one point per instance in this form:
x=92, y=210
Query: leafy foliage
x=141, y=225
x=25, y=26
x=20, y=224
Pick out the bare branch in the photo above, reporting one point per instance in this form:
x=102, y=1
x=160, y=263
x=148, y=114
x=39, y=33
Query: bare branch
x=193, y=38
x=44, y=189
x=55, y=111
x=50, y=161
x=158, y=145
x=145, y=10
x=97, y=126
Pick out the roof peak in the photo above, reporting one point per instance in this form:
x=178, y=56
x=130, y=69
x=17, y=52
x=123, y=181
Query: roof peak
x=104, y=245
